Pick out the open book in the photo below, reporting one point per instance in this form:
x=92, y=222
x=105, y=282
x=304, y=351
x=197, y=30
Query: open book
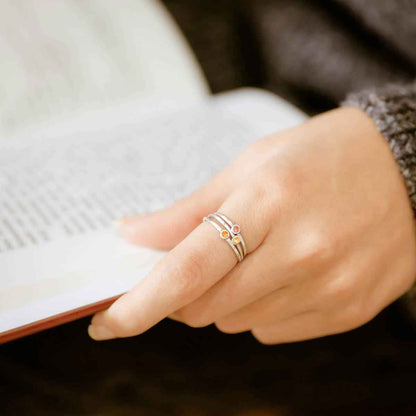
x=63, y=183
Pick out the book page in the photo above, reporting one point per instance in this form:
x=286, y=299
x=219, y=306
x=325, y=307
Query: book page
x=66, y=57
x=60, y=195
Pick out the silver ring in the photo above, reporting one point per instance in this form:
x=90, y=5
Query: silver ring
x=230, y=232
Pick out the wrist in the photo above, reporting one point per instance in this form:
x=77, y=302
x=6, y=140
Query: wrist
x=393, y=110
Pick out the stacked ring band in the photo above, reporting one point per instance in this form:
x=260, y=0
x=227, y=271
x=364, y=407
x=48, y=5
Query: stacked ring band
x=230, y=232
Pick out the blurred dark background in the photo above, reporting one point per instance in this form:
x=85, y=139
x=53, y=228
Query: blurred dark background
x=310, y=52
x=175, y=370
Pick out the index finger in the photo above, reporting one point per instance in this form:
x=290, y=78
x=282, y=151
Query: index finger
x=182, y=276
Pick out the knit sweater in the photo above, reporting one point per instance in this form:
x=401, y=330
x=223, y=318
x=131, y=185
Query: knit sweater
x=317, y=54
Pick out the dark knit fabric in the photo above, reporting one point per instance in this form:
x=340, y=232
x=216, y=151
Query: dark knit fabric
x=393, y=109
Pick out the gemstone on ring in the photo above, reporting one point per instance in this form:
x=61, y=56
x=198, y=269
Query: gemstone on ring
x=224, y=234
x=229, y=232
x=235, y=229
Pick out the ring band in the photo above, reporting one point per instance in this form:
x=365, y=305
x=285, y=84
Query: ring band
x=230, y=232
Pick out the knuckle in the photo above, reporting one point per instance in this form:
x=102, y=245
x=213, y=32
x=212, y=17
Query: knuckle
x=409, y=281
x=341, y=290
x=192, y=318
x=314, y=249
x=266, y=192
x=276, y=200
x=195, y=322
x=227, y=327
x=263, y=336
x=352, y=316
x=408, y=276
x=185, y=276
x=258, y=189
x=189, y=203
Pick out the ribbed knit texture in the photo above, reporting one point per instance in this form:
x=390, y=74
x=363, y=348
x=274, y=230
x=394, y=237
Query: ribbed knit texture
x=393, y=108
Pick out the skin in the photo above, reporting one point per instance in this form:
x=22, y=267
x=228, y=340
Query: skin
x=329, y=229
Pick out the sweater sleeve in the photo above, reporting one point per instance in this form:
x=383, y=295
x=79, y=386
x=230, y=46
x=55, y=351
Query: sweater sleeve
x=393, y=108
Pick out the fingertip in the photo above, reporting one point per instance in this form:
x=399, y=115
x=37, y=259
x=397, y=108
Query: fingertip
x=95, y=320
x=99, y=329
x=140, y=230
x=100, y=332
x=128, y=227
x=125, y=222
x=161, y=229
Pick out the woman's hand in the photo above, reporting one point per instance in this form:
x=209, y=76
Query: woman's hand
x=328, y=227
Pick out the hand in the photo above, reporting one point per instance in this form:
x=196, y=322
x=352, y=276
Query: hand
x=328, y=227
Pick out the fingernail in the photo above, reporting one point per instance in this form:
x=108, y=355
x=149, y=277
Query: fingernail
x=100, y=332
x=120, y=223
x=117, y=223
